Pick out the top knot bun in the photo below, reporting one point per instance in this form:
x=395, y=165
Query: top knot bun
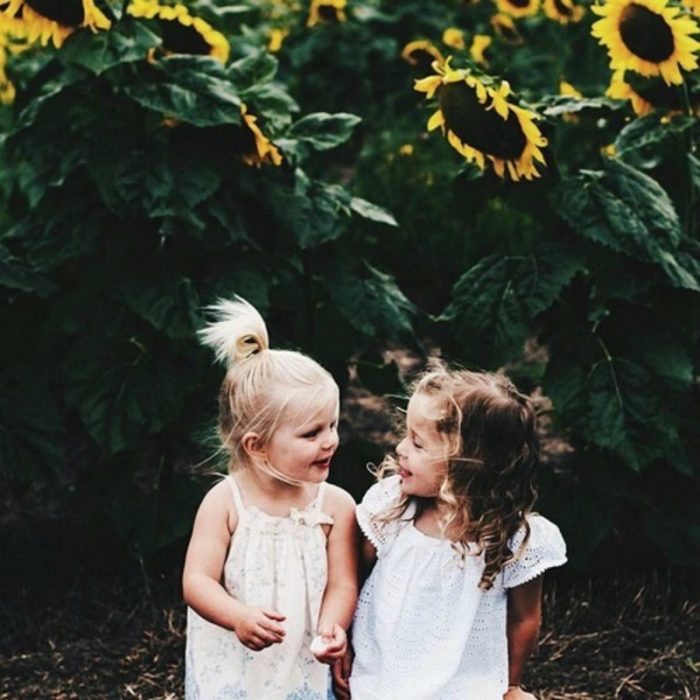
x=237, y=332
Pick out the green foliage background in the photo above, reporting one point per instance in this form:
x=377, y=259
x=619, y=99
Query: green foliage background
x=128, y=208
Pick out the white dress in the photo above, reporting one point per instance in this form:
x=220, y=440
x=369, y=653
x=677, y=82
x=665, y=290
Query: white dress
x=272, y=562
x=423, y=629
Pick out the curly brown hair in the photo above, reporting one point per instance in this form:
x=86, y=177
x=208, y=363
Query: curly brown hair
x=488, y=490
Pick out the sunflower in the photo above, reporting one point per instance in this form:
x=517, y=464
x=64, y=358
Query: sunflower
x=181, y=32
x=421, y=54
x=454, y=38
x=647, y=36
x=693, y=6
x=646, y=95
x=51, y=20
x=261, y=150
x=518, y=8
x=563, y=11
x=481, y=124
x=505, y=28
x=480, y=43
x=326, y=11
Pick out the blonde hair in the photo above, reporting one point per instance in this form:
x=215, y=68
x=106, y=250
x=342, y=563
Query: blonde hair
x=261, y=385
x=491, y=451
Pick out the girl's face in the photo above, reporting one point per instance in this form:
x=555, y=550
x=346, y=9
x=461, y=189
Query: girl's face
x=422, y=454
x=301, y=448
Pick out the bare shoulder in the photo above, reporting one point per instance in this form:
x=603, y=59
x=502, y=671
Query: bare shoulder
x=338, y=501
x=218, y=504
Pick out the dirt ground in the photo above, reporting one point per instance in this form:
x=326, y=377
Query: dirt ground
x=600, y=639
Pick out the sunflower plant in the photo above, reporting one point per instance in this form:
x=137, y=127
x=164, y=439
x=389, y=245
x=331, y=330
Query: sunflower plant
x=199, y=178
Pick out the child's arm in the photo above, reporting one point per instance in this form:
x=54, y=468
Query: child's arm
x=523, y=626
x=340, y=597
x=201, y=579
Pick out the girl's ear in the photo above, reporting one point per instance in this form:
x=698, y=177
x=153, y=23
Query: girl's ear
x=253, y=446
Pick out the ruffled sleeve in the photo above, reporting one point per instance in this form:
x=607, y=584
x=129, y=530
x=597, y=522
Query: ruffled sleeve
x=544, y=550
x=379, y=499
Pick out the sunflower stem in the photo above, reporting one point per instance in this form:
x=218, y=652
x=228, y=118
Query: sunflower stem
x=689, y=144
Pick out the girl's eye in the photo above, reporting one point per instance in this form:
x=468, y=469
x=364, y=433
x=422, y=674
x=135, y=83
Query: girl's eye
x=311, y=434
x=415, y=444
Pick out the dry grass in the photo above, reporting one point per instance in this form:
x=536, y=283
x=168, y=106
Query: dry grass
x=626, y=640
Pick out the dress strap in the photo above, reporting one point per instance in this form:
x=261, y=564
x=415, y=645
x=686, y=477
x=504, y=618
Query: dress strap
x=237, y=499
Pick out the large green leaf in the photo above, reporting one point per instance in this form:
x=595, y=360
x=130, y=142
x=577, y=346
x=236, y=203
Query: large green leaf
x=317, y=132
x=257, y=69
x=170, y=304
x=123, y=389
x=626, y=400
x=194, y=89
x=495, y=302
x=628, y=211
x=314, y=211
x=370, y=301
x=126, y=42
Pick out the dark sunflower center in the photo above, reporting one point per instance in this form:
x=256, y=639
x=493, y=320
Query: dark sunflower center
x=646, y=34
x=478, y=127
x=328, y=13
x=69, y=13
x=521, y=4
x=563, y=9
x=181, y=39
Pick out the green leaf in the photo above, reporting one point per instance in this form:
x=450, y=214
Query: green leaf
x=194, y=89
x=126, y=42
x=627, y=400
x=373, y=212
x=314, y=211
x=494, y=302
x=566, y=104
x=628, y=211
x=170, y=304
x=123, y=390
x=317, y=132
x=256, y=69
x=638, y=142
x=370, y=301
x=16, y=275
x=274, y=105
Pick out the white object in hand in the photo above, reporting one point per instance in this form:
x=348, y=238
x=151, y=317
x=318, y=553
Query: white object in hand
x=318, y=645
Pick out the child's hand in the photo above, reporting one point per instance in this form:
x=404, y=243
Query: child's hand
x=517, y=693
x=336, y=644
x=258, y=629
x=341, y=675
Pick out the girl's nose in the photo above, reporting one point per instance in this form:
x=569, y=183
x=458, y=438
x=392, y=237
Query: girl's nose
x=331, y=441
x=400, y=448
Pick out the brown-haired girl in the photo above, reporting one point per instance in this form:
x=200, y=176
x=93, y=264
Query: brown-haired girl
x=451, y=609
x=270, y=574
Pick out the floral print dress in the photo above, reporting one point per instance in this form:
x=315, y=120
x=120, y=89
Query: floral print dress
x=273, y=562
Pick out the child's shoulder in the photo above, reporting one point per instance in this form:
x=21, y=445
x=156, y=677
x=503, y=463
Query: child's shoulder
x=218, y=503
x=337, y=500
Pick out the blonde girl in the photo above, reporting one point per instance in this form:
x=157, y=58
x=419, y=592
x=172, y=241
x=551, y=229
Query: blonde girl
x=451, y=609
x=271, y=563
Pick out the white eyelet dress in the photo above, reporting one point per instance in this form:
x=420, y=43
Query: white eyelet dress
x=273, y=562
x=423, y=628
